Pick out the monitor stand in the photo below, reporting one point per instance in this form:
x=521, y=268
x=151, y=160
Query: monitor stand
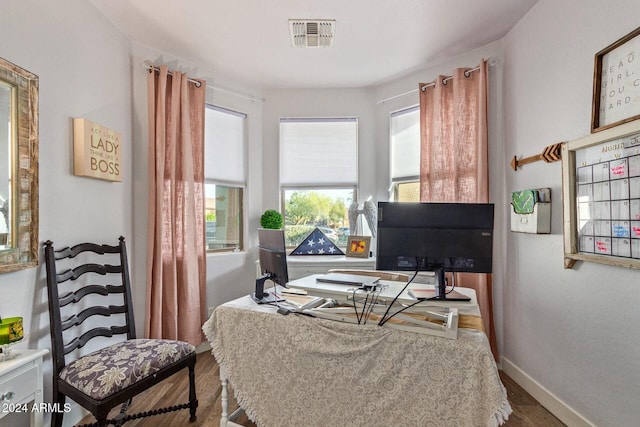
x=262, y=297
x=441, y=289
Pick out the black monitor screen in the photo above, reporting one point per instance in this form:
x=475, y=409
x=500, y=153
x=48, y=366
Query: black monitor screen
x=456, y=237
x=272, y=255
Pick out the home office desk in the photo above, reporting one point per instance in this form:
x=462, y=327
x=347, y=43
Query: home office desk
x=388, y=291
x=292, y=370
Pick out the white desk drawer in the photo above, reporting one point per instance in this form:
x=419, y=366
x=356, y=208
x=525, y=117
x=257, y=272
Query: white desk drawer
x=16, y=386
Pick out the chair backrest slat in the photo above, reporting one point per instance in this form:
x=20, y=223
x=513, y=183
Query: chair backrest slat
x=73, y=251
x=77, y=320
x=75, y=273
x=83, y=339
x=73, y=297
x=113, y=312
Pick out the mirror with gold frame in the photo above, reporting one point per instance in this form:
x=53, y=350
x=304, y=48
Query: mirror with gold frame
x=18, y=168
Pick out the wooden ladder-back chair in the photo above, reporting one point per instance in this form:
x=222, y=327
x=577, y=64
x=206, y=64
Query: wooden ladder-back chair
x=113, y=375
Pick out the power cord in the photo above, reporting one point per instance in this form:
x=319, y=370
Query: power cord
x=433, y=298
x=384, y=319
x=374, y=300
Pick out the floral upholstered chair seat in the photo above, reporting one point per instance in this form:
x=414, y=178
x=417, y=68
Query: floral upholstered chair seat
x=111, y=369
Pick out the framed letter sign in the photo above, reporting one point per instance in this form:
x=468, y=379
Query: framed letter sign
x=616, y=83
x=601, y=197
x=96, y=151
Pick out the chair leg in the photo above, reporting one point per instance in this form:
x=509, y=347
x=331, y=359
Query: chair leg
x=193, y=401
x=102, y=415
x=56, y=417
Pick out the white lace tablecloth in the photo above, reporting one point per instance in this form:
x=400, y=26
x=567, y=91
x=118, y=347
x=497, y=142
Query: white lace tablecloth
x=296, y=370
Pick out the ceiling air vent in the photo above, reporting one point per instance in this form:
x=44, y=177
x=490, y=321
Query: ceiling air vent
x=312, y=32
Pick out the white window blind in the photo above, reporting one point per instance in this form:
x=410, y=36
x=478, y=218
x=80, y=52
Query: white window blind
x=319, y=152
x=224, y=146
x=405, y=143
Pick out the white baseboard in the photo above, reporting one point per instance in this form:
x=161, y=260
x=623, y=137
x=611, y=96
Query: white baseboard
x=204, y=346
x=553, y=404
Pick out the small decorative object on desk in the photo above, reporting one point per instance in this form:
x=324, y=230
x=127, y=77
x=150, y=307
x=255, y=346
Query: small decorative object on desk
x=358, y=246
x=370, y=213
x=11, y=332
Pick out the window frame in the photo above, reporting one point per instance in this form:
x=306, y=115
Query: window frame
x=241, y=233
x=319, y=186
x=395, y=182
x=232, y=184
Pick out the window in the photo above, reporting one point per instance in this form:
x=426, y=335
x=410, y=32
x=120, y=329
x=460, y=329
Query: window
x=225, y=178
x=405, y=155
x=318, y=176
x=323, y=208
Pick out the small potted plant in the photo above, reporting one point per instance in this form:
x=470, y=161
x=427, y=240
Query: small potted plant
x=271, y=219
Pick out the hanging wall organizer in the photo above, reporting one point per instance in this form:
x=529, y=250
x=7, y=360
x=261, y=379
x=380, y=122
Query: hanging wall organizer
x=531, y=211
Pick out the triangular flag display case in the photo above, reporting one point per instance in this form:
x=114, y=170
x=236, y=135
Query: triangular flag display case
x=317, y=243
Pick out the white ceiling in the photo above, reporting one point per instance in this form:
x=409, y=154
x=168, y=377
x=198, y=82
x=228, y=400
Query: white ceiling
x=248, y=40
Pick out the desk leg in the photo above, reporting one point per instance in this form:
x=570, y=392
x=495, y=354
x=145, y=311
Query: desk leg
x=224, y=397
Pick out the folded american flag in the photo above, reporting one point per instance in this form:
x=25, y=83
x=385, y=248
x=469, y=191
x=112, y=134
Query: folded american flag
x=316, y=243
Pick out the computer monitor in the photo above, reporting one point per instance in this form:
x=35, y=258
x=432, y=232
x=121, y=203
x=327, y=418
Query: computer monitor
x=438, y=237
x=273, y=264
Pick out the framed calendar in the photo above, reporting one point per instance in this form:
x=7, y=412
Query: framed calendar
x=601, y=197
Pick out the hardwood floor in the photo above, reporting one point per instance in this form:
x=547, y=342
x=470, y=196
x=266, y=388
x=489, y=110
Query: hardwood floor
x=526, y=411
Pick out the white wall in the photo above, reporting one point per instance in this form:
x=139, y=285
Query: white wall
x=574, y=331
x=84, y=71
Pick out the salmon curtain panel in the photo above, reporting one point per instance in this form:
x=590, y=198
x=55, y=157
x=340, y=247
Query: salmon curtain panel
x=453, y=157
x=175, y=305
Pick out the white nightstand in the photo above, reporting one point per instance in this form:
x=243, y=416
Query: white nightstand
x=21, y=385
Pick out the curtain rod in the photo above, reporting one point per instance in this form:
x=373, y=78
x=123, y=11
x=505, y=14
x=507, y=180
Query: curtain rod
x=492, y=62
x=467, y=73
x=218, y=88
x=154, y=68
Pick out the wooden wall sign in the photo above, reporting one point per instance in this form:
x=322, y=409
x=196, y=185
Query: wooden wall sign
x=551, y=153
x=96, y=151
x=616, y=83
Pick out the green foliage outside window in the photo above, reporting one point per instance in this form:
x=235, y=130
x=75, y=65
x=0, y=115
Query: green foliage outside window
x=310, y=207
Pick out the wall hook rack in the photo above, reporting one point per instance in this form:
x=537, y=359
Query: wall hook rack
x=551, y=153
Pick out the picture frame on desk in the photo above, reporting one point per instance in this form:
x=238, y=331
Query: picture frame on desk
x=616, y=86
x=358, y=246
